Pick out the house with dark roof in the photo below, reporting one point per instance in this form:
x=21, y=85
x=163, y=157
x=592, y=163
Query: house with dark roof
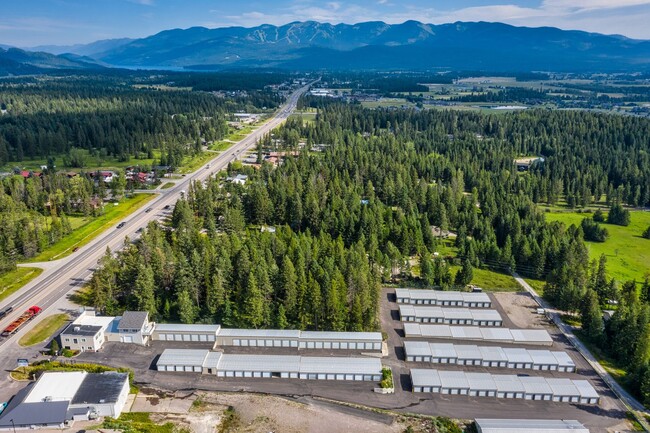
x=134, y=327
x=58, y=399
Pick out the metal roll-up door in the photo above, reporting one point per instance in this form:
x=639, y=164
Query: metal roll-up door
x=319, y=345
x=327, y=345
x=260, y=343
x=248, y=374
x=285, y=343
x=186, y=337
x=195, y=337
x=212, y=337
x=244, y=343
x=197, y=369
x=322, y=376
x=203, y=337
x=310, y=345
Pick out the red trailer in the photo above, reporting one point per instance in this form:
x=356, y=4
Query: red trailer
x=19, y=322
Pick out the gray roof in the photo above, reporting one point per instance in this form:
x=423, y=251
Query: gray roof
x=26, y=414
x=314, y=364
x=432, y=311
x=261, y=363
x=481, y=381
x=181, y=327
x=440, y=295
x=100, y=388
x=530, y=426
x=185, y=357
x=133, y=320
x=352, y=336
x=535, y=385
x=522, y=336
x=259, y=333
x=83, y=330
x=417, y=348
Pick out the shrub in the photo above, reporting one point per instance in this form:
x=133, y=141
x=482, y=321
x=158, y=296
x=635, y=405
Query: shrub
x=593, y=231
x=646, y=233
x=618, y=215
x=386, y=378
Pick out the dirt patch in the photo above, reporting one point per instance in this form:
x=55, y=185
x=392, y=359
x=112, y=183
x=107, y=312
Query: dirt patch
x=521, y=309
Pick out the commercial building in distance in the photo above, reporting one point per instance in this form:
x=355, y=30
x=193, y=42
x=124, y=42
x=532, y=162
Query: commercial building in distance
x=536, y=337
x=443, y=298
x=57, y=399
x=449, y=316
x=488, y=356
x=529, y=426
x=269, y=366
x=503, y=386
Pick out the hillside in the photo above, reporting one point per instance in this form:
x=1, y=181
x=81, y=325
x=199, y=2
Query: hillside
x=377, y=45
x=14, y=61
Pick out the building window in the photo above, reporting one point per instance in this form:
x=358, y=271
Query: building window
x=83, y=340
x=67, y=340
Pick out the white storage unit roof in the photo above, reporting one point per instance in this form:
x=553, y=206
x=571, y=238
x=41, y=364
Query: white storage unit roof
x=184, y=357
x=481, y=382
x=531, y=336
x=258, y=333
x=427, y=313
x=333, y=336
x=506, y=386
x=508, y=383
x=212, y=360
x=562, y=387
x=425, y=377
x=529, y=426
x=514, y=357
x=498, y=335
x=585, y=389
x=369, y=368
x=439, y=297
x=443, y=350
x=266, y=363
x=181, y=327
x=417, y=348
x=453, y=379
x=365, y=366
x=535, y=385
x=518, y=355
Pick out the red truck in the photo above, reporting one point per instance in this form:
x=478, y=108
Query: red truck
x=19, y=322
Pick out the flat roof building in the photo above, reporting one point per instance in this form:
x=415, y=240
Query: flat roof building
x=529, y=426
x=443, y=298
x=269, y=366
x=538, y=337
x=363, y=341
x=57, y=399
x=449, y=316
x=185, y=332
x=503, y=386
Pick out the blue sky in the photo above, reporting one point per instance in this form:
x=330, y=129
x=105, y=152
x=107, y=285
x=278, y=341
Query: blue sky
x=27, y=23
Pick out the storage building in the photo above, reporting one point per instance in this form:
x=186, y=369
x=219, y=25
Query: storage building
x=258, y=338
x=503, y=386
x=537, y=337
x=270, y=366
x=488, y=356
x=183, y=332
x=442, y=298
x=529, y=426
x=362, y=341
x=449, y=316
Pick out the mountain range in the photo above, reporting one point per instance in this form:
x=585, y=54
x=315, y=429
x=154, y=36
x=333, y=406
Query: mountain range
x=411, y=45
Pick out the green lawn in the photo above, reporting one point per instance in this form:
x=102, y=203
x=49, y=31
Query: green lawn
x=92, y=227
x=492, y=281
x=167, y=185
x=43, y=330
x=193, y=163
x=14, y=280
x=307, y=117
x=538, y=285
x=628, y=254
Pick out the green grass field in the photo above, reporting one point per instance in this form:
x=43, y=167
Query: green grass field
x=14, y=280
x=88, y=228
x=43, y=330
x=628, y=254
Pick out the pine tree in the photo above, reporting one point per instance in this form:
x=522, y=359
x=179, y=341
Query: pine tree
x=253, y=313
x=145, y=291
x=186, y=308
x=592, y=317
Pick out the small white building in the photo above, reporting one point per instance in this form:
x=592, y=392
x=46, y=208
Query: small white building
x=442, y=298
x=536, y=337
x=449, y=316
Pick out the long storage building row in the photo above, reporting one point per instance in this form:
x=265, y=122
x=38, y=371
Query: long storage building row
x=443, y=298
x=449, y=316
x=270, y=366
x=488, y=356
x=370, y=341
x=537, y=337
x=503, y=386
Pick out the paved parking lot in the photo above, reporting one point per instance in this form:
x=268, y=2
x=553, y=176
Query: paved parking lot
x=607, y=416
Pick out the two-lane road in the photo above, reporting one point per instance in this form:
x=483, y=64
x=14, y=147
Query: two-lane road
x=56, y=282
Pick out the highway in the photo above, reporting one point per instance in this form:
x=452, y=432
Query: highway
x=69, y=273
